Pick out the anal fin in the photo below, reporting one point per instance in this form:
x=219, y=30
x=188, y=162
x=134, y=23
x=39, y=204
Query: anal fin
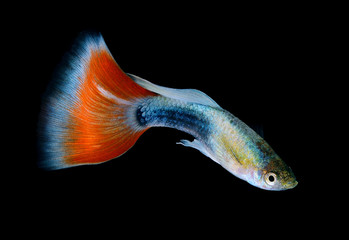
x=197, y=145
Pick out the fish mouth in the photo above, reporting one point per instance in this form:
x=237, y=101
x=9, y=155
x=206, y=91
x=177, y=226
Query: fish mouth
x=291, y=185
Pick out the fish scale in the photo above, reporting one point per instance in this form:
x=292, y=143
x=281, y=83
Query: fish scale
x=166, y=112
x=204, y=123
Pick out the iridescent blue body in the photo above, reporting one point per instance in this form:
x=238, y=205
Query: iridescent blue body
x=165, y=112
x=219, y=135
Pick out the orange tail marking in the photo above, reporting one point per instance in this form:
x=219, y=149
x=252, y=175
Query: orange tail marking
x=99, y=129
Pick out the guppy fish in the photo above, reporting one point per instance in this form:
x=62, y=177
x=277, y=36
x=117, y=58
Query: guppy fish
x=94, y=112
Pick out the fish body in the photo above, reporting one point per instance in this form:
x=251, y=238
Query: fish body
x=96, y=112
x=218, y=134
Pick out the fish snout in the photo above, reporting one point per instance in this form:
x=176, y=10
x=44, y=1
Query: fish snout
x=291, y=184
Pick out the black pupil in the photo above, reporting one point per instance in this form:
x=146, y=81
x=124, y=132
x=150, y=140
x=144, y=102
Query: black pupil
x=271, y=178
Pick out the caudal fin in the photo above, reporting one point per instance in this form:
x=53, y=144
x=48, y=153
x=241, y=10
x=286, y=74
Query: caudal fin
x=86, y=114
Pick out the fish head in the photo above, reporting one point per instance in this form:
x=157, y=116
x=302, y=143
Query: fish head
x=276, y=175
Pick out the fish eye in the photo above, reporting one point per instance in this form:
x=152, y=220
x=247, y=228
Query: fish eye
x=270, y=178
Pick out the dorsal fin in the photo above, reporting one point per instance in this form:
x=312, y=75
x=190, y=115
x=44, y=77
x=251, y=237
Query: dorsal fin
x=187, y=95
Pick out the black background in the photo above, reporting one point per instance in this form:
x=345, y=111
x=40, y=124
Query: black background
x=256, y=63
